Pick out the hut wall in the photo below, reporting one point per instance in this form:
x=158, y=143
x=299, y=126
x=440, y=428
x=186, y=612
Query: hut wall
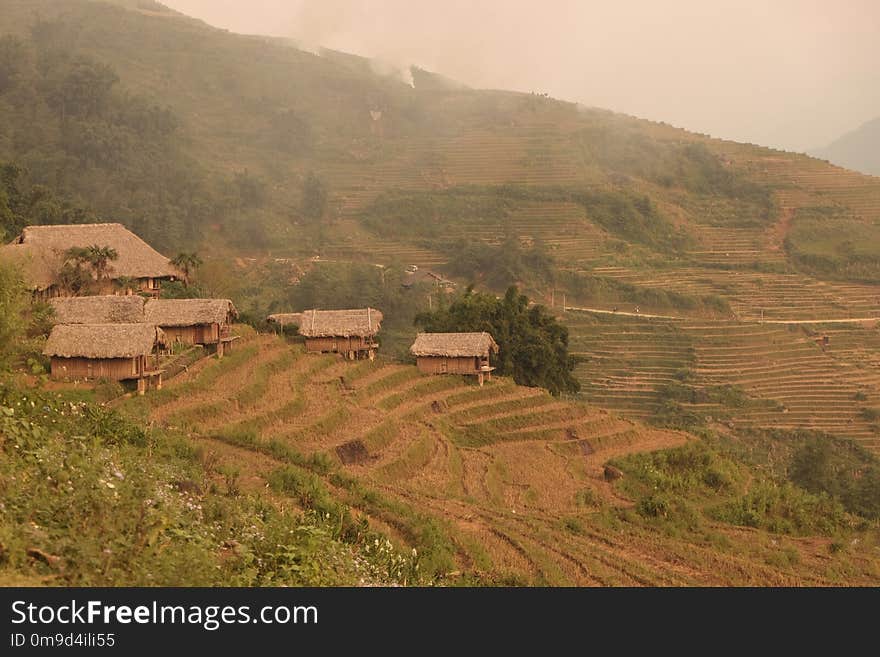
x=444, y=365
x=198, y=334
x=338, y=344
x=115, y=369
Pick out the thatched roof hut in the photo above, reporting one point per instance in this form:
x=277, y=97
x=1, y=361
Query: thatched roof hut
x=453, y=345
x=98, y=310
x=102, y=340
x=40, y=252
x=357, y=323
x=189, y=312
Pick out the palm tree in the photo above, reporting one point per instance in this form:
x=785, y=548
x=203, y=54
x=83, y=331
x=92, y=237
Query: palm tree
x=187, y=262
x=96, y=257
x=99, y=258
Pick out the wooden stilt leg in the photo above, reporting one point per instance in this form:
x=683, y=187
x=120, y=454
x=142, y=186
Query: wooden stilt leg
x=142, y=387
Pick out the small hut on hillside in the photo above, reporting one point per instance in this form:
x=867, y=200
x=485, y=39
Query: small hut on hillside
x=98, y=310
x=347, y=332
x=194, y=321
x=455, y=353
x=117, y=352
x=41, y=251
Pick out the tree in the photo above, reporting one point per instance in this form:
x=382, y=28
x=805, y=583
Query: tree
x=533, y=346
x=79, y=88
x=99, y=258
x=314, y=197
x=187, y=262
x=13, y=60
x=74, y=276
x=13, y=302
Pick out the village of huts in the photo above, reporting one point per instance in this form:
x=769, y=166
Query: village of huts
x=109, y=322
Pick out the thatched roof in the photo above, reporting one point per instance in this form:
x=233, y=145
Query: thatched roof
x=39, y=252
x=453, y=345
x=188, y=312
x=285, y=319
x=358, y=323
x=98, y=310
x=102, y=340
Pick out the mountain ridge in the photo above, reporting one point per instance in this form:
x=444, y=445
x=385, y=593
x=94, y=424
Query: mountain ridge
x=858, y=149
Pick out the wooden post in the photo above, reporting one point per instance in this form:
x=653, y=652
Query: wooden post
x=142, y=386
x=159, y=382
x=220, y=349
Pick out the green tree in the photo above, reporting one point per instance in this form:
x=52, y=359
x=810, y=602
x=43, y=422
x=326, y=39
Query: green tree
x=79, y=88
x=84, y=263
x=13, y=60
x=314, y=197
x=13, y=303
x=533, y=346
x=99, y=257
x=187, y=262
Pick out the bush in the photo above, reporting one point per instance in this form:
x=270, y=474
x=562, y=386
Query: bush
x=785, y=509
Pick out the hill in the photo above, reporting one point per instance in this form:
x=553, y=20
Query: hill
x=501, y=483
x=857, y=150
x=295, y=173
x=722, y=299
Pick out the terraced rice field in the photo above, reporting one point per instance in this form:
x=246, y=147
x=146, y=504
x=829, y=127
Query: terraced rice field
x=793, y=379
x=624, y=361
x=502, y=468
x=732, y=247
x=754, y=296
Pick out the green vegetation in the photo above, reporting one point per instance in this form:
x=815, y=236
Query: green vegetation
x=590, y=289
x=781, y=482
x=841, y=469
x=533, y=346
x=435, y=215
x=500, y=266
x=829, y=242
x=90, y=499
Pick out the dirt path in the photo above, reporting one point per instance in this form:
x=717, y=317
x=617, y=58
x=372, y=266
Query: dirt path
x=779, y=231
x=844, y=320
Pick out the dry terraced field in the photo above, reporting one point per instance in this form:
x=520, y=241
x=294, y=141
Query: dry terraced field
x=513, y=476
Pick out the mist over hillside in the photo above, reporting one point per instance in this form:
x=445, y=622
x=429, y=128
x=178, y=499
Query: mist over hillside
x=858, y=150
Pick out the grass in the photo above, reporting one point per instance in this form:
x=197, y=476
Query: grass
x=376, y=388
x=419, y=390
x=416, y=457
x=382, y=435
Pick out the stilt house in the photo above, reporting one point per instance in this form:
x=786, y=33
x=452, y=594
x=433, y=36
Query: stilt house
x=348, y=332
x=41, y=251
x=117, y=352
x=194, y=321
x=455, y=353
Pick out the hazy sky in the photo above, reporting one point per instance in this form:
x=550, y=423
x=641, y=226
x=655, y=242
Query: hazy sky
x=794, y=74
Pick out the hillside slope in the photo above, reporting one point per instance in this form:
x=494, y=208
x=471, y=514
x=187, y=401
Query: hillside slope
x=265, y=157
x=492, y=484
